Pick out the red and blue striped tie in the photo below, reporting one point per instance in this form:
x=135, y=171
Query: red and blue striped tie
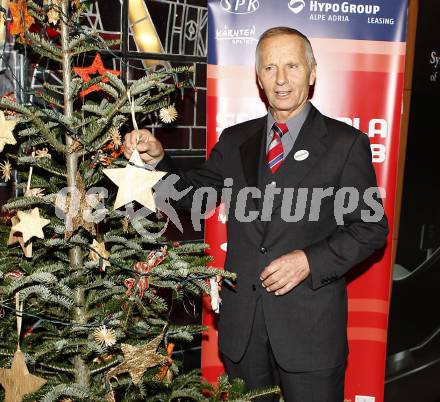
x=275, y=154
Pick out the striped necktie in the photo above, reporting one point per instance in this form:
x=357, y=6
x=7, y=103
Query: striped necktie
x=275, y=154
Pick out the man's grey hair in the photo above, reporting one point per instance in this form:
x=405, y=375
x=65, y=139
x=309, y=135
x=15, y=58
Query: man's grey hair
x=277, y=31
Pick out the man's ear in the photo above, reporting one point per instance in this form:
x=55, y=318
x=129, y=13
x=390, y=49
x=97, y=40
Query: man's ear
x=259, y=81
x=312, y=77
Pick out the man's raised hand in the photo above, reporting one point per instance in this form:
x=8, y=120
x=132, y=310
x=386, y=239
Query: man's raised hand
x=149, y=148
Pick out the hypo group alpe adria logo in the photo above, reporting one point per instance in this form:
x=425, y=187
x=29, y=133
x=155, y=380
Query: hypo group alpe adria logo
x=296, y=6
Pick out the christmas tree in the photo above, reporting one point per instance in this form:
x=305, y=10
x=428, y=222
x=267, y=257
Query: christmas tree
x=86, y=276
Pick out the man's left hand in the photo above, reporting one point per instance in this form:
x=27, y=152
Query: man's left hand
x=286, y=272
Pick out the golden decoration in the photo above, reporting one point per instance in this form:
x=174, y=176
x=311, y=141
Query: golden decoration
x=75, y=146
x=53, y=16
x=104, y=336
x=17, y=381
x=138, y=359
x=168, y=114
x=82, y=215
x=116, y=137
x=135, y=183
x=5, y=170
x=15, y=237
x=98, y=252
x=34, y=192
x=31, y=224
x=6, y=127
x=43, y=153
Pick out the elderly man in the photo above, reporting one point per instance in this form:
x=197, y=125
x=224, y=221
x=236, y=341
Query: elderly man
x=285, y=321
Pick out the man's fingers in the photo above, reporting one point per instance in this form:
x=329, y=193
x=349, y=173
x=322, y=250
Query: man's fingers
x=272, y=278
x=285, y=289
x=277, y=285
x=144, y=146
x=270, y=269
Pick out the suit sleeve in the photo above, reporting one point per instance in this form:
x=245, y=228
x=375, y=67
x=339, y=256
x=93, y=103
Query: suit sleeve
x=209, y=174
x=355, y=240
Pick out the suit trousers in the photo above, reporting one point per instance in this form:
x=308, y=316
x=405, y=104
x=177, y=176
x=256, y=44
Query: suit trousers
x=259, y=369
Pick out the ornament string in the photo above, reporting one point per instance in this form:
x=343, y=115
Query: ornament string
x=136, y=127
x=19, y=315
x=31, y=169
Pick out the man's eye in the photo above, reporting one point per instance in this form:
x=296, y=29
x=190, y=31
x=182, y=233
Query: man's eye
x=269, y=68
x=293, y=66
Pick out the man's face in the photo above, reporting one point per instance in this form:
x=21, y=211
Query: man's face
x=284, y=74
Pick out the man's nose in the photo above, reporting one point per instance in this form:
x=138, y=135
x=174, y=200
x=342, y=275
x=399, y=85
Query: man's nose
x=281, y=77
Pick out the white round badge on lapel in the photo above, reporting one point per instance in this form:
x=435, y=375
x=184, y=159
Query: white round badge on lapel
x=301, y=155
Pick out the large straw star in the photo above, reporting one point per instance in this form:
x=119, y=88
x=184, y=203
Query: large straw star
x=134, y=182
x=138, y=359
x=31, y=224
x=6, y=128
x=17, y=381
x=97, y=67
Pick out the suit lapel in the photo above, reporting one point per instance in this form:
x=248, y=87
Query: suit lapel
x=251, y=153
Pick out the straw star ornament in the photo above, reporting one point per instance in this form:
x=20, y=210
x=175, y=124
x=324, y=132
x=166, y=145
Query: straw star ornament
x=31, y=224
x=135, y=183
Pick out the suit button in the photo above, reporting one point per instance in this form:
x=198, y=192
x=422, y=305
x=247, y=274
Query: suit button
x=254, y=287
x=263, y=250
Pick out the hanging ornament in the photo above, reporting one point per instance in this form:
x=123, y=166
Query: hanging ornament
x=104, y=336
x=116, y=138
x=155, y=257
x=108, y=153
x=99, y=253
x=165, y=371
x=215, y=294
x=97, y=67
x=31, y=224
x=81, y=214
x=21, y=20
x=53, y=16
x=17, y=381
x=15, y=237
x=138, y=359
x=42, y=153
x=168, y=114
x=75, y=146
x=5, y=170
x=135, y=183
x=34, y=192
x=6, y=127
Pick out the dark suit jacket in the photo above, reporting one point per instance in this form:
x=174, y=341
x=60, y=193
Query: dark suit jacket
x=307, y=326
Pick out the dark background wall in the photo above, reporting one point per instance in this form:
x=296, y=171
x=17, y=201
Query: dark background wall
x=413, y=367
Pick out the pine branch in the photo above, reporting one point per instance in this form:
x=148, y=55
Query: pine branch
x=43, y=163
x=44, y=47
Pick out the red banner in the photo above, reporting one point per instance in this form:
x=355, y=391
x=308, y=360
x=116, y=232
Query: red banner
x=360, y=56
